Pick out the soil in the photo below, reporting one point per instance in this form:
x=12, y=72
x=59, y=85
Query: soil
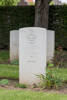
x=12, y=86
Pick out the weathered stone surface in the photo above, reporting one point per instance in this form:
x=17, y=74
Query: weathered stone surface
x=50, y=44
x=14, y=45
x=32, y=54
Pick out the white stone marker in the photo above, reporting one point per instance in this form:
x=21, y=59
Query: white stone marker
x=32, y=54
x=50, y=44
x=14, y=45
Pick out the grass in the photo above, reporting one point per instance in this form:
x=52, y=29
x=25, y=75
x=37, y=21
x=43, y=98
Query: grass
x=61, y=72
x=12, y=71
x=21, y=85
x=9, y=71
x=29, y=95
x=4, y=56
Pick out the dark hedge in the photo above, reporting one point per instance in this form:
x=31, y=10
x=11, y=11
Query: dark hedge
x=58, y=22
x=12, y=18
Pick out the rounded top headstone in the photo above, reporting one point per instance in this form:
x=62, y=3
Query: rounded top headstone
x=32, y=28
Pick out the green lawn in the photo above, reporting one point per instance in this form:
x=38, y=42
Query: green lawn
x=29, y=95
x=61, y=72
x=12, y=71
x=9, y=71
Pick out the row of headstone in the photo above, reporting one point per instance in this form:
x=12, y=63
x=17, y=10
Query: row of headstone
x=14, y=45
x=34, y=46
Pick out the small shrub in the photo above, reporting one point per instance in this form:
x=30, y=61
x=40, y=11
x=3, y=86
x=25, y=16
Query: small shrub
x=4, y=82
x=21, y=85
x=50, y=64
x=51, y=80
x=35, y=85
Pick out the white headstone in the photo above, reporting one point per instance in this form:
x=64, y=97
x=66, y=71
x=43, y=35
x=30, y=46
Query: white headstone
x=32, y=54
x=50, y=44
x=14, y=45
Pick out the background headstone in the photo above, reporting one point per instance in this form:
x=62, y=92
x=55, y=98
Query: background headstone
x=14, y=45
x=32, y=54
x=50, y=44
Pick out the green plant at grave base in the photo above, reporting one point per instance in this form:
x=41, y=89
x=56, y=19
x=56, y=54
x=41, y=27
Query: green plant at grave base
x=21, y=85
x=49, y=64
x=14, y=62
x=4, y=82
x=51, y=80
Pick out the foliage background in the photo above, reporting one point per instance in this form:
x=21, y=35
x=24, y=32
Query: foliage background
x=58, y=22
x=9, y=2
x=13, y=18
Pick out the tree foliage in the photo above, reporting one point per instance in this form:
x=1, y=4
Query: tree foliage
x=8, y=2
